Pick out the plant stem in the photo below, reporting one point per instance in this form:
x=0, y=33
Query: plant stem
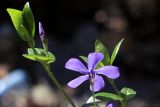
x=32, y=45
x=93, y=95
x=51, y=75
x=123, y=104
x=113, y=85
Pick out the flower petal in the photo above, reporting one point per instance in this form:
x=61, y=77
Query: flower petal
x=76, y=65
x=78, y=81
x=94, y=59
x=111, y=72
x=109, y=105
x=112, y=104
x=98, y=83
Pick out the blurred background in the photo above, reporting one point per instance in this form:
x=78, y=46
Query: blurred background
x=72, y=26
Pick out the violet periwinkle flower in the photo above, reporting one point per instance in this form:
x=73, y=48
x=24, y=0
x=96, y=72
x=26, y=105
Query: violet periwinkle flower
x=91, y=73
x=41, y=31
x=111, y=104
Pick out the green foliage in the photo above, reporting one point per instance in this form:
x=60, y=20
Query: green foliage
x=99, y=47
x=128, y=93
x=23, y=22
x=103, y=96
x=39, y=55
x=28, y=19
x=16, y=17
x=84, y=58
x=115, y=51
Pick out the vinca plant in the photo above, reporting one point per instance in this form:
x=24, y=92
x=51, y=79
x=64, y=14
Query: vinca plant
x=99, y=63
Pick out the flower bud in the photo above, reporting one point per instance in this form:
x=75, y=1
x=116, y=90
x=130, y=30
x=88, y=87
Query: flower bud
x=41, y=31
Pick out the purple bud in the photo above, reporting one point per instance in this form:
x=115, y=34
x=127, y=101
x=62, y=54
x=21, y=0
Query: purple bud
x=41, y=31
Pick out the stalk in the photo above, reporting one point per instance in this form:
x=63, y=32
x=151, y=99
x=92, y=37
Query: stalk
x=123, y=103
x=93, y=95
x=51, y=75
x=114, y=86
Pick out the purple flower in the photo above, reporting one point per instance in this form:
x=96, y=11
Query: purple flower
x=111, y=104
x=91, y=73
x=41, y=31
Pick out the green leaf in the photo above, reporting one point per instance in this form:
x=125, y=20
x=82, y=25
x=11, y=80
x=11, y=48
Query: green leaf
x=16, y=17
x=39, y=58
x=128, y=93
x=100, y=64
x=39, y=51
x=40, y=55
x=99, y=47
x=28, y=19
x=23, y=22
x=84, y=58
x=108, y=96
x=115, y=51
x=24, y=33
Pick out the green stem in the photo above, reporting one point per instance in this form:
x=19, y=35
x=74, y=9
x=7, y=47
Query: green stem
x=46, y=49
x=114, y=86
x=32, y=45
x=123, y=104
x=93, y=95
x=47, y=68
x=51, y=75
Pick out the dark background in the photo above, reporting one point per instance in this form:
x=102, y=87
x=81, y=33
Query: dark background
x=72, y=27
